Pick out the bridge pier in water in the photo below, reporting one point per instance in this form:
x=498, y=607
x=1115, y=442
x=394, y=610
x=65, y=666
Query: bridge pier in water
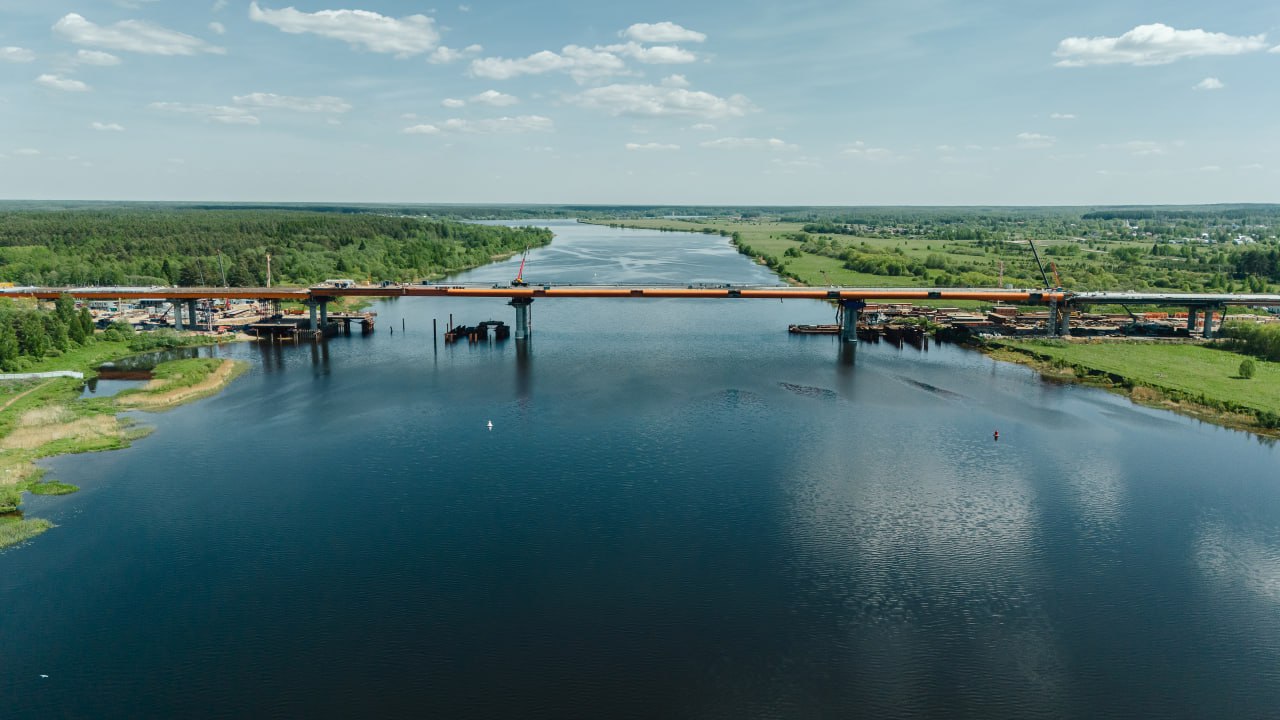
x=521, y=305
x=851, y=309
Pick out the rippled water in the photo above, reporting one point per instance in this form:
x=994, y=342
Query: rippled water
x=681, y=511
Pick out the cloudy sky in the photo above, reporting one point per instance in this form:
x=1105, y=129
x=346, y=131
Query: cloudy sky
x=840, y=102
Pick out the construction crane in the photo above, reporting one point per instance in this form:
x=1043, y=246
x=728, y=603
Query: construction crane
x=1043, y=275
x=519, y=281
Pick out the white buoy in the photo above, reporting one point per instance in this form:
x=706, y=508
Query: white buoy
x=490, y=424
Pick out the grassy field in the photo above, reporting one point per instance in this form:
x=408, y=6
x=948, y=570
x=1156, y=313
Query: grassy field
x=1180, y=372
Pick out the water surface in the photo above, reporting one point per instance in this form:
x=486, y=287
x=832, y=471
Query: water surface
x=681, y=511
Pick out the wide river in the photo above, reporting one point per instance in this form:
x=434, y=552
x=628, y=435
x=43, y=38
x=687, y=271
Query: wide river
x=680, y=511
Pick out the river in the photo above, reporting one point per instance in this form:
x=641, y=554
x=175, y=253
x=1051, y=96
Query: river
x=680, y=511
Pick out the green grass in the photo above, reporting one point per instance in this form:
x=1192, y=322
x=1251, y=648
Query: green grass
x=52, y=487
x=1194, y=372
x=16, y=530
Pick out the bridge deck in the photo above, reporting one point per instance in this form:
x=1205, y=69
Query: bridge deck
x=1023, y=296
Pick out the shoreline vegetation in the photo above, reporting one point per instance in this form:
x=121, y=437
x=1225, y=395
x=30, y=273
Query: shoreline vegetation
x=1186, y=377
x=46, y=418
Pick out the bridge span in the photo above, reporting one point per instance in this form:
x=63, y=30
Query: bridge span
x=521, y=296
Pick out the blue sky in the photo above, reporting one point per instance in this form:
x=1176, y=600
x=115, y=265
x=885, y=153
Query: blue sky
x=917, y=102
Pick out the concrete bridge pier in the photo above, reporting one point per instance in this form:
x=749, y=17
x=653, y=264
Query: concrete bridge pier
x=1064, y=326
x=1191, y=319
x=522, y=316
x=1051, y=324
x=191, y=315
x=177, y=314
x=311, y=309
x=849, y=329
x=324, y=313
x=1208, y=323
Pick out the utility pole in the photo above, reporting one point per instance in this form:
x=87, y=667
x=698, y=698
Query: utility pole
x=268, y=269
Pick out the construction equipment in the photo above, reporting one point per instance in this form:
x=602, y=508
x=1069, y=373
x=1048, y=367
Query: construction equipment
x=519, y=281
x=1043, y=275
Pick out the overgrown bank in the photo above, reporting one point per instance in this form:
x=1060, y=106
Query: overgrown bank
x=44, y=418
x=1196, y=380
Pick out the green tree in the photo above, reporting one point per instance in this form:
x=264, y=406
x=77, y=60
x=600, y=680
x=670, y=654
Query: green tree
x=33, y=340
x=9, y=350
x=1247, y=368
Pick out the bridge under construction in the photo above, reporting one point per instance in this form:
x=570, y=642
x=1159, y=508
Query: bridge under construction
x=521, y=296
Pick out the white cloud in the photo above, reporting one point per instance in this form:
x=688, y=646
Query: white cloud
x=1155, y=44
x=748, y=143
x=226, y=114
x=651, y=146
x=218, y=28
x=862, y=150
x=219, y=5
x=703, y=126
x=656, y=55
x=1138, y=148
x=487, y=126
x=581, y=63
x=445, y=55
x=107, y=127
x=402, y=37
x=131, y=36
x=320, y=104
x=57, y=82
x=675, y=81
x=421, y=130
x=16, y=54
x=1062, y=116
x=1209, y=83
x=659, y=101
x=96, y=58
x=663, y=32
x=494, y=98
x=453, y=102
x=27, y=152
x=464, y=8
x=1035, y=141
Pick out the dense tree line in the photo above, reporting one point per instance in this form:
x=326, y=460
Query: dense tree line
x=1253, y=339
x=163, y=246
x=30, y=333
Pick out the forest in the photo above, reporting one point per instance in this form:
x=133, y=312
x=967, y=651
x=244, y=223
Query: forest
x=108, y=245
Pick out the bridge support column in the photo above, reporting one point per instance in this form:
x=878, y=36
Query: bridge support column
x=1064, y=327
x=324, y=313
x=1208, y=323
x=177, y=314
x=522, y=316
x=1051, y=324
x=311, y=307
x=191, y=315
x=849, y=329
x=1191, y=319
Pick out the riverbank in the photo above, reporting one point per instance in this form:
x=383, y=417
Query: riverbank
x=41, y=419
x=1188, y=378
